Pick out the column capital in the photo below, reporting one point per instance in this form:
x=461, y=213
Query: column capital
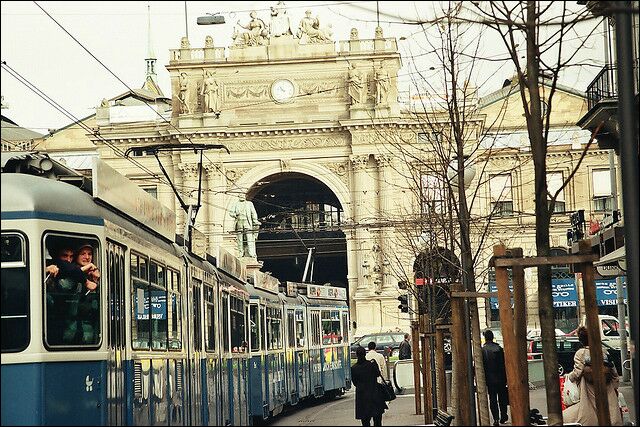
x=383, y=159
x=189, y=170
x=359, y=162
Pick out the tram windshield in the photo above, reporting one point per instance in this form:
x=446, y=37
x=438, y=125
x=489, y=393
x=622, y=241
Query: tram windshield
x=331, y=331
x=72, y=291
x=15, y=293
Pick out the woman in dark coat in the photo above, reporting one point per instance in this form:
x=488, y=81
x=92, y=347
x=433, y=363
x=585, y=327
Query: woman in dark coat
x=369, y=401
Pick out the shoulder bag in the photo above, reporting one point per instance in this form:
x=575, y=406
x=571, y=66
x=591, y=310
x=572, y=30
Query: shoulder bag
x=386, y=390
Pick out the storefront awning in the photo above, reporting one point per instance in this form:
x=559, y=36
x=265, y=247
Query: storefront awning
x=618, y=256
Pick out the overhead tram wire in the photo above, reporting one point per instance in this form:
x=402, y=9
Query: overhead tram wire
x=127, y=86
x=188, y=138
x=70, y=115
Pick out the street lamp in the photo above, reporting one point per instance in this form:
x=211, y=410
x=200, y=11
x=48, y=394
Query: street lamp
x=211, y=19
x=469, y=172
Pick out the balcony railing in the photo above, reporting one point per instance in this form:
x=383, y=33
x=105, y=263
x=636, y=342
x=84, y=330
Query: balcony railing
x=604, y=86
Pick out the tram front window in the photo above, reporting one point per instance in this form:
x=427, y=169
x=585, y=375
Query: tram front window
x=72, y=291
x=14, y=294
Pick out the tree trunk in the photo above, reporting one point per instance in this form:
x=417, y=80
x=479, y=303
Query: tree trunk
x=543, y=218
x=483, y=405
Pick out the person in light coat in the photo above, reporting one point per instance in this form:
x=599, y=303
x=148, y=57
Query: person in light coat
x=372, y=354
x=584, y=412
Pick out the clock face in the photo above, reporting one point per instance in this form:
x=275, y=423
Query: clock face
x=283, y=90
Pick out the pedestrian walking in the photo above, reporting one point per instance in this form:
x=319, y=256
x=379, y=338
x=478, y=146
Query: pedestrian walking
x=369, y=401
x=584, y=412
x=496, y=378
x=372, y=354
x=404, y=351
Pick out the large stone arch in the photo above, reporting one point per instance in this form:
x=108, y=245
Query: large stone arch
x=319, y=172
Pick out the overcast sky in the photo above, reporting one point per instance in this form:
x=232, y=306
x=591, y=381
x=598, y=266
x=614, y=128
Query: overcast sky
x=116, y=33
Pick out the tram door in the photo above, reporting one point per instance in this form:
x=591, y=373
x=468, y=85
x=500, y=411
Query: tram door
x=116, y=334
x=194, y=401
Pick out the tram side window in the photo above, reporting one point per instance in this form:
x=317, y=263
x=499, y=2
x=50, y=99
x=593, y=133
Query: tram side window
x=299, y=328
x=274, y=334
x=315, y=328
x=225, y=323
x=345, y=327
x=238, y=335
x=209, y=301
x=291, y=329
x=331, y=331
x=174, y=310
x=158, y=306
x=263, y=328
x=254, y=327
x=14, y=295
x=72, y=288
x=140, y=327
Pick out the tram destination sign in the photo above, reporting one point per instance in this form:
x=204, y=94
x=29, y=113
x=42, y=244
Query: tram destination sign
x=267, y=282
x=326, y=292
x=117, y=191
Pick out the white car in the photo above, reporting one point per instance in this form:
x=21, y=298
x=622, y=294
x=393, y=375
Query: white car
x=535, y=333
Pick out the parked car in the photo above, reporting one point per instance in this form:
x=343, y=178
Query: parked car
x=566, y=348
x=536, y=333
x=383, y=341
x=392, y=341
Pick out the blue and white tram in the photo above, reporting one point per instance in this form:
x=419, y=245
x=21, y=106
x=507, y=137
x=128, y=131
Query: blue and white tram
x=165, y=338
x=329, y=359
x=147, y=346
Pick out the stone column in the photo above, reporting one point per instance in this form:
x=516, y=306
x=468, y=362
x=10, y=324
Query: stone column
x=176, y=176
x=189, y=191
x=215, y=202
x=363, y=187
x=385, y=215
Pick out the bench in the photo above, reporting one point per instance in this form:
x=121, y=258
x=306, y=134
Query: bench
x=441, y=418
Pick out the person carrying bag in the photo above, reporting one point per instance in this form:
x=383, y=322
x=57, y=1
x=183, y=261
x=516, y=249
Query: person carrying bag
x=370, y=403
x=386, y=390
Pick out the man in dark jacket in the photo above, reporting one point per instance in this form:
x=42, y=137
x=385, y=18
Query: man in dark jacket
x=404, y=351
x=496, y=378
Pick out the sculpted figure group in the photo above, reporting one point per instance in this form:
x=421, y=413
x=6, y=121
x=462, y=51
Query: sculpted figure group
x=258, y=33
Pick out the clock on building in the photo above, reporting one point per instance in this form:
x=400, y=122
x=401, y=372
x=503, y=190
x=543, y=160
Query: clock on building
x=283, y=90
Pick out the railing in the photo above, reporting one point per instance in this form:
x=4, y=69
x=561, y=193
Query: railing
x=605, y=85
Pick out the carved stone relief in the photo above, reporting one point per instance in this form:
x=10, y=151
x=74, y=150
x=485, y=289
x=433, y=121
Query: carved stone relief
x=340, y=170
x=247, y=91
x=285, y=143
x=189, y=170
x=359, y=162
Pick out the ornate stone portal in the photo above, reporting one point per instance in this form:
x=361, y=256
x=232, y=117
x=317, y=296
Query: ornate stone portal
x=285, y=98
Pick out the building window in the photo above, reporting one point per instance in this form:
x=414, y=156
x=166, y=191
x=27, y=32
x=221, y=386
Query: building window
x=433, y=195
x=554, y=183
x=501, y=198
x=602, y=200
x=151, y=190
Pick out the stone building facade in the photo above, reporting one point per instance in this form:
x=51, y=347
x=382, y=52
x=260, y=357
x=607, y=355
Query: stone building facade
x=311, y=108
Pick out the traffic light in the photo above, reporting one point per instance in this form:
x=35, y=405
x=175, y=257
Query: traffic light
x=404, y=303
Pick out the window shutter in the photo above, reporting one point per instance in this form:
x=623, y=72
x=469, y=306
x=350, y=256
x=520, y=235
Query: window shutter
x=500, y=187
x=601, y=183
x=554, y=182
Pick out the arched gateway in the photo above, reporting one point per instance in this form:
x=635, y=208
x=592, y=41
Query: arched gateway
x=309, y=154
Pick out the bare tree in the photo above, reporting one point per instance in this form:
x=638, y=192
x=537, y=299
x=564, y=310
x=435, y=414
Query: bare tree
x=543, y=28
x=452, y=136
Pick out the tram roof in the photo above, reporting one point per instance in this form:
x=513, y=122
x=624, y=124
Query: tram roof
x=29, y=193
